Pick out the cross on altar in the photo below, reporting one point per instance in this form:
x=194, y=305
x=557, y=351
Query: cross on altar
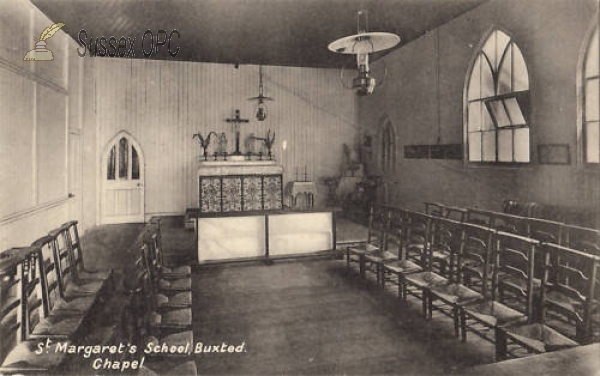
x=236, y=126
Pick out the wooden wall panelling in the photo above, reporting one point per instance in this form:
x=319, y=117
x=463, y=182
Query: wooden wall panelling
x=163, y=103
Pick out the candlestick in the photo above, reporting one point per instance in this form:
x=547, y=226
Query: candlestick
x=305, y=173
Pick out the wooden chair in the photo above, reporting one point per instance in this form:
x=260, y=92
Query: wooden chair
x=39, y=320
x=535, y=336
x=517, y=277
x=171, y=283
x=456, y=213
x=58, y=300
x=489, y=314
x=17, y=351
x=479, y=217
x=419, y=240
x=161, y=316
x=139, y=327
x=545, y=230
x=377, y=224
x=68, y=274
x=435, y=209
x=510, y=223
x=392, y=245
x=165, y=298
x=451, y=295
x=170, y=271
x=582, y=238
x=71, y=234
x=571, y=289
x=394, y=270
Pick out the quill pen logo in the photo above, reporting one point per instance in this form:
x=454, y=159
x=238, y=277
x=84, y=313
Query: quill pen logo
x=40, y=52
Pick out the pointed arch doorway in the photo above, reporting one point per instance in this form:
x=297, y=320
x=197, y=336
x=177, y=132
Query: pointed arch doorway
x=122, y=197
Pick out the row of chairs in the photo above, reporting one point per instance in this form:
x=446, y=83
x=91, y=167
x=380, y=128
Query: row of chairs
x=160, y=310
x=484, y=278
x=572, y=236
x=46, y=293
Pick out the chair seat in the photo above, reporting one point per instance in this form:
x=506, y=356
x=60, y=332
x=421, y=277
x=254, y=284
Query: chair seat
x=23, y=359
x=363, y=249
x=184, y=270
x=440, y=255
x=57, y=326
x=181, y=284
x=425, y=279
x=456, y=293
x=379, y=256
x=95, y=274
x=180, y=300
x=518, y=283
x=80, y=305
x=84, y=287
x=493, y=313
x=179, y=318
x=402, y=266
x=539, y=337
x=563, y=302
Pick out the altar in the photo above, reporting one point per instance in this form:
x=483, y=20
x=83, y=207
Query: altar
x=265, y=235
x=239, y=186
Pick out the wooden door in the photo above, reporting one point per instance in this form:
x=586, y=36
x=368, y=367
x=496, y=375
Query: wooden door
x=122, y=181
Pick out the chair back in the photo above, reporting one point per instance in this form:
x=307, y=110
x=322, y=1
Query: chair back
x=52, y=286
x=33, y=304
x=11, y=318
x=479, y=217
x=475, y=256
x=418, y=238
x=456, y=213
x=514, y=260
x=582, y=238
x=435, y=209
x=545, y=230
x=446, y=238
x=396, y=232
x=510, y=223
x=573, y=275
x=64, y=256
x=72, y=238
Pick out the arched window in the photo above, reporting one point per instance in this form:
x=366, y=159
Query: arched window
x=497, y=100
x=387, y=139
x=591, y=100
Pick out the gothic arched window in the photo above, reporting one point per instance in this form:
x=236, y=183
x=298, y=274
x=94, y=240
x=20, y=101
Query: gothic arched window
x=591, y=100
x=497, y=97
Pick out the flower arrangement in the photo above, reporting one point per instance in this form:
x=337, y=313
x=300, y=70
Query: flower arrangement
x=204, y=142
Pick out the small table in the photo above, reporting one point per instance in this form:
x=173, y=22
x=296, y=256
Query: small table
x=307, y=188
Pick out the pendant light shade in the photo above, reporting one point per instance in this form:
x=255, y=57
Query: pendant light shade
x=261, y=110
x=362, y=45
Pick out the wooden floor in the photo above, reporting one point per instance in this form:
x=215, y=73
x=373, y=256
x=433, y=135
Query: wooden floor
x=312, y=317
x=302, y=317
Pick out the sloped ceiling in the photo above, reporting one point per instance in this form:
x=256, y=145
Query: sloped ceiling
x=270, y=32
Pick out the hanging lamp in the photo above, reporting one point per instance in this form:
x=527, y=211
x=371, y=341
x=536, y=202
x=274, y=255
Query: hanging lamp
x=261, y=107
x=362, y=44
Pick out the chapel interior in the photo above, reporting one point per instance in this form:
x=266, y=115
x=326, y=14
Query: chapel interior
x=268, y=187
